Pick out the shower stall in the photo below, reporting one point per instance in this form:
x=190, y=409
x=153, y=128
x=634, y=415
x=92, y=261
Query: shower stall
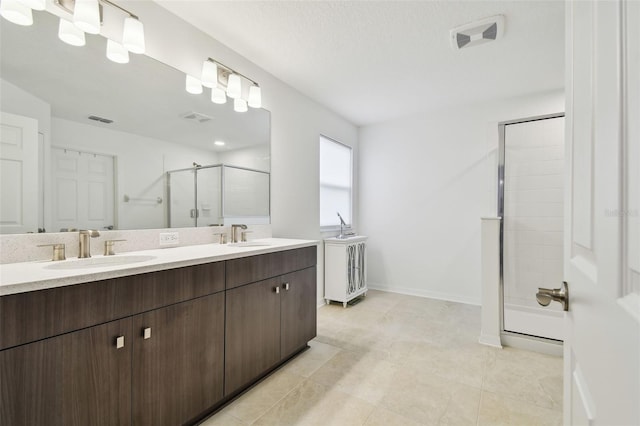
x=217, y=194
x=530, y=203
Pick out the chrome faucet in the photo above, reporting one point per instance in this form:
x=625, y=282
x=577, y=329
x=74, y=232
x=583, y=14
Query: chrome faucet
x=85, y=243
x=234, y=232
x=342, y=226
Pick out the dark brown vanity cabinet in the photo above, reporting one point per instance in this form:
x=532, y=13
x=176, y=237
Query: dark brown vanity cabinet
x=78, y=378
x=157, y=360
x=151, y=349
x=269, y=320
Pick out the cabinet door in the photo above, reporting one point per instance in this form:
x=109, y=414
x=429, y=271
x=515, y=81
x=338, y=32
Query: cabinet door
x=298, y=310
x=252, y=332
x=178, y=368
x=79, y=378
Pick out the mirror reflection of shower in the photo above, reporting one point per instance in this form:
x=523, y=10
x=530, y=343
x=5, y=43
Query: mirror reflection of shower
x=217, y=194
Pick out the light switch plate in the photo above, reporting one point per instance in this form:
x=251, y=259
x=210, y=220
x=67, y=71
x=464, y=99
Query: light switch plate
x=169, y=239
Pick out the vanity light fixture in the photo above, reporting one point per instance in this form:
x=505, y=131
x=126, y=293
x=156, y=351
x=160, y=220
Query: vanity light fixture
x=255, y=97
x=86, y=16
x=71, y=34
x=224, y=82
x=218, y=96
x=193, y=85
x=209, y=74
x=239, y=105
x=234, y=86
x=16, y=12
x=116, y=52
x=35, y=4
x=133, y=34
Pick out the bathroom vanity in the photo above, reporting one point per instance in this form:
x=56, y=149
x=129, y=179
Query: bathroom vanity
x=163, y=341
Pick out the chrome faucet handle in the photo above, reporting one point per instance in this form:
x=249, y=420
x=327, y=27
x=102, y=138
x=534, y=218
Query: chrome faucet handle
x=108, y=247
x=58, y=251
x=234, y=231
x=222, y=237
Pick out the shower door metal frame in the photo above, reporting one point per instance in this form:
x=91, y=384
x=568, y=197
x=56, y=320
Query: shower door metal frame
x=501, y=154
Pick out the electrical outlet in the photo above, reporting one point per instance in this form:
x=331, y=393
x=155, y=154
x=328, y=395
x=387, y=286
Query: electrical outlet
x=169, y=238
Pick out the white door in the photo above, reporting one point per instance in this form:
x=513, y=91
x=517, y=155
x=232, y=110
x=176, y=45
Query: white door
x=18, y=174
x=82, y=190
x=602, y=258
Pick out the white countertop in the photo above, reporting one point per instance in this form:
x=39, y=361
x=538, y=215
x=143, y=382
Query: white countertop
x=30, y=276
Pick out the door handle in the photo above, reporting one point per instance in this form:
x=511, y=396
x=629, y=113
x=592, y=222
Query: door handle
x=544, y=296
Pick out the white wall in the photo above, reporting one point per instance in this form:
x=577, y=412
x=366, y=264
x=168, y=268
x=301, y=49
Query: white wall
x=425, y=181
x=140, y=162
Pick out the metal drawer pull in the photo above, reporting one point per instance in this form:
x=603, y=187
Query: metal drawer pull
x=146, y=333
x=277, y=290
x=286, y=286
x=119, y=342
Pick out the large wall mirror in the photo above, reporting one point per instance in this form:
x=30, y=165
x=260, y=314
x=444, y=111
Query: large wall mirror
x=167, y=158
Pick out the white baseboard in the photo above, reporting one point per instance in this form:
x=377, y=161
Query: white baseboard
x=424, y=293
x=534, y=344
x=493, y=341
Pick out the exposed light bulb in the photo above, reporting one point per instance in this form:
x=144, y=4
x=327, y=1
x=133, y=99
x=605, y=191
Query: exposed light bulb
x=86, y=16
x=133, y=35
x=70, y=34
x=193, y=85
x=234, y=86
x=209, y=74
x=218, y=96
x=116, y=52
x=255, y=97
x=35, y=4
x=16, y=12
x=240, y=105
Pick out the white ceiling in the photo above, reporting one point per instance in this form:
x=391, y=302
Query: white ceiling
x=371, y=61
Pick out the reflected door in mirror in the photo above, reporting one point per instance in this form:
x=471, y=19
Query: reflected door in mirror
x=83, y=190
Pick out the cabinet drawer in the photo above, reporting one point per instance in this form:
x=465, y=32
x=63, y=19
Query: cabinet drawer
x=27, y=317
x=257, y=268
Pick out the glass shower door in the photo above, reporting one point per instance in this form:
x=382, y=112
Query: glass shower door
x=532, y=212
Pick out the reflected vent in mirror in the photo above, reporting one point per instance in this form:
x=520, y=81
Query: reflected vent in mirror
x=100, y=119
x=196, y=116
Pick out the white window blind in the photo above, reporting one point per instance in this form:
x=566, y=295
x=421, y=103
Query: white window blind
x=335, y=182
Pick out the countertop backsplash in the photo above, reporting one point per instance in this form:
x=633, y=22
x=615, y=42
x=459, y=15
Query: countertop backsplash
x=24, y=247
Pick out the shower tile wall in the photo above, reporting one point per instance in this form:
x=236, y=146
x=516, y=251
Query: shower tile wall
x=533, y=209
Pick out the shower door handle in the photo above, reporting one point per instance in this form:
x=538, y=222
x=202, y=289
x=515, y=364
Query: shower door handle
x=544, y=296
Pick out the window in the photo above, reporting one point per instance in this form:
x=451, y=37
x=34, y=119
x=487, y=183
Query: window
x=335, y=182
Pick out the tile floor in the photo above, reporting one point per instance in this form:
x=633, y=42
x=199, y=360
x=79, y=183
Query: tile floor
x=401, y=360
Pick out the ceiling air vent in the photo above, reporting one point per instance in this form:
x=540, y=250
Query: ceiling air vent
x=100, y=119
x=477, y=32
x=196, y=116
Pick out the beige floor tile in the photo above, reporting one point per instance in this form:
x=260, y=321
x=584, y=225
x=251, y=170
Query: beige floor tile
x=223, y=419
x=432, y=400
x=496, y=410
x=359, y=374
x=531, y=377
x=401, y=360
x=312, y=359
x=257, y=401
x=312, y=404
x=461, y=363
x=384, y=417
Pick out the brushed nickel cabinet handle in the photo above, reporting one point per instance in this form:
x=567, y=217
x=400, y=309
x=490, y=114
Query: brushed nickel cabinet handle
x=286, y=286
x=119, y=342
x=146, y=333
x=277, y=290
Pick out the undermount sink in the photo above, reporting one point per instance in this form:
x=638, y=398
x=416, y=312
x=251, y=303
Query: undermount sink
x=249, y=244
x=99, y=262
